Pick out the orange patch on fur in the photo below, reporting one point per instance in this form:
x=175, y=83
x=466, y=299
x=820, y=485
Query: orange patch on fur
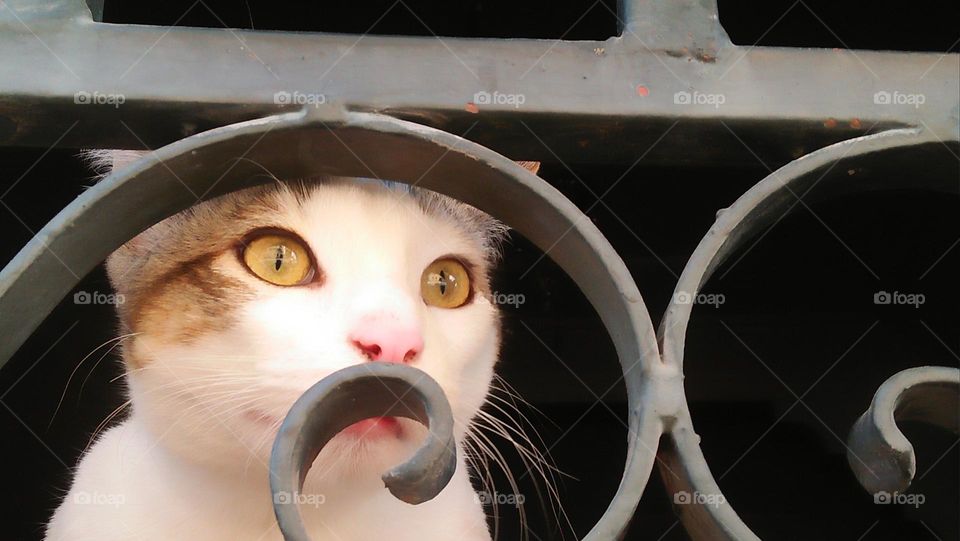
x=190, y=301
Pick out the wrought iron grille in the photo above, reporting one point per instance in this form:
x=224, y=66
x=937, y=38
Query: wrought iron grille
x=668, y=54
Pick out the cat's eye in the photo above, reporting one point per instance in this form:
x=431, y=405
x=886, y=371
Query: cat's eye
x=279, y=259
x=445, y=284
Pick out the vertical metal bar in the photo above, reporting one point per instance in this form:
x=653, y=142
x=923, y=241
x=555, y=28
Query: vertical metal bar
x=656, y=23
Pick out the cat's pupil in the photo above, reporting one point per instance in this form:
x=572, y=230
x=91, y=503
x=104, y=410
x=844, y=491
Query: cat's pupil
x=278, y=260
x=443, y=282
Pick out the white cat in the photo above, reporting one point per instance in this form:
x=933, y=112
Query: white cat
x=237, y=306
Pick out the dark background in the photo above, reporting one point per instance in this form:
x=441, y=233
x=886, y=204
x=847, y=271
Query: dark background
x=799, y=300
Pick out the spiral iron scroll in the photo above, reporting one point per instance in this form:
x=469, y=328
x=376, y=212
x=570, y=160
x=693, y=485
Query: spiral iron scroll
x=331, y=141
x=879, y=454
x=353, y=394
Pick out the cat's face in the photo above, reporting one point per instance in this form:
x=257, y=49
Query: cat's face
x=242, y=303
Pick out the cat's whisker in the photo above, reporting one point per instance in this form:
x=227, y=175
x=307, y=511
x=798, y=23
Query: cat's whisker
x=187, y=387
x=210, y=398
x=117, y=340
x=508, y=432
x=526, y=462
x=266, y=439
x=517, y=429
x=546, y=464
x=502, y=385
x=208, y=406
x=208, y=395
x=225, y=397
x=514, y=433
x=95, y=365
x=180, y=390
x=522, y=433
x=212, y=370
x=353, y=452
x=479, y=462
x=526, y=444
x=500, y=460
x=533, y=460
x=105, y=422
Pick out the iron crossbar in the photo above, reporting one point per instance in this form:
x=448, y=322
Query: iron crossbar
x=584, y=101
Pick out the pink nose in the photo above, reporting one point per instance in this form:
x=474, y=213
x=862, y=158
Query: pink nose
x=387, y=340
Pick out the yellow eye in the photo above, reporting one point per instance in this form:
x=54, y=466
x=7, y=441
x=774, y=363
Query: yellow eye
x=278, y=259
x=445, y=284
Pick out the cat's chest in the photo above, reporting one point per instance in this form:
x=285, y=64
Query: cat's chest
x=161, y=501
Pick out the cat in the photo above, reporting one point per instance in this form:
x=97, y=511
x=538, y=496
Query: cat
x=235, y=307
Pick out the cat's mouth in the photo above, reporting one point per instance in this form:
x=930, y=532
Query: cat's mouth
x=375, y=427
x=372, y=428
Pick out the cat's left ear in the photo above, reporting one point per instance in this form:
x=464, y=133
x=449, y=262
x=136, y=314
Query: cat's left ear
x=533, y=167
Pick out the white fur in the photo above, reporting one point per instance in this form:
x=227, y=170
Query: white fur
x=190, y=463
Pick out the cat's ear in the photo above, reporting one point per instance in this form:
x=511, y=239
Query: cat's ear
x=126, y=260
x=533, y=167
x=104, y=162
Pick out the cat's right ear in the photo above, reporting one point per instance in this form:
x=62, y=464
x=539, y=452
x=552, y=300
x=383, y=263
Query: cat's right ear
x=104, y=162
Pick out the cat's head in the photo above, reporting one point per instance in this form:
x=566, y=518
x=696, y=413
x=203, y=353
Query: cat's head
x=241, y=303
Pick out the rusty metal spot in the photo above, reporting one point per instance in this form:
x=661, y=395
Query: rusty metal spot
x=703, y=55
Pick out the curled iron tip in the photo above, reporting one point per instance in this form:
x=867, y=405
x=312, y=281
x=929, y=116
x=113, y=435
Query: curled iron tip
x=350, y=395
x=879, y=454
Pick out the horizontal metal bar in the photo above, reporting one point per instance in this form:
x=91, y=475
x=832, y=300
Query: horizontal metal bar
x=584, y=101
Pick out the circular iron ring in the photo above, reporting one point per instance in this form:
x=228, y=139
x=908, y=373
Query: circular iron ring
x=328, y=141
